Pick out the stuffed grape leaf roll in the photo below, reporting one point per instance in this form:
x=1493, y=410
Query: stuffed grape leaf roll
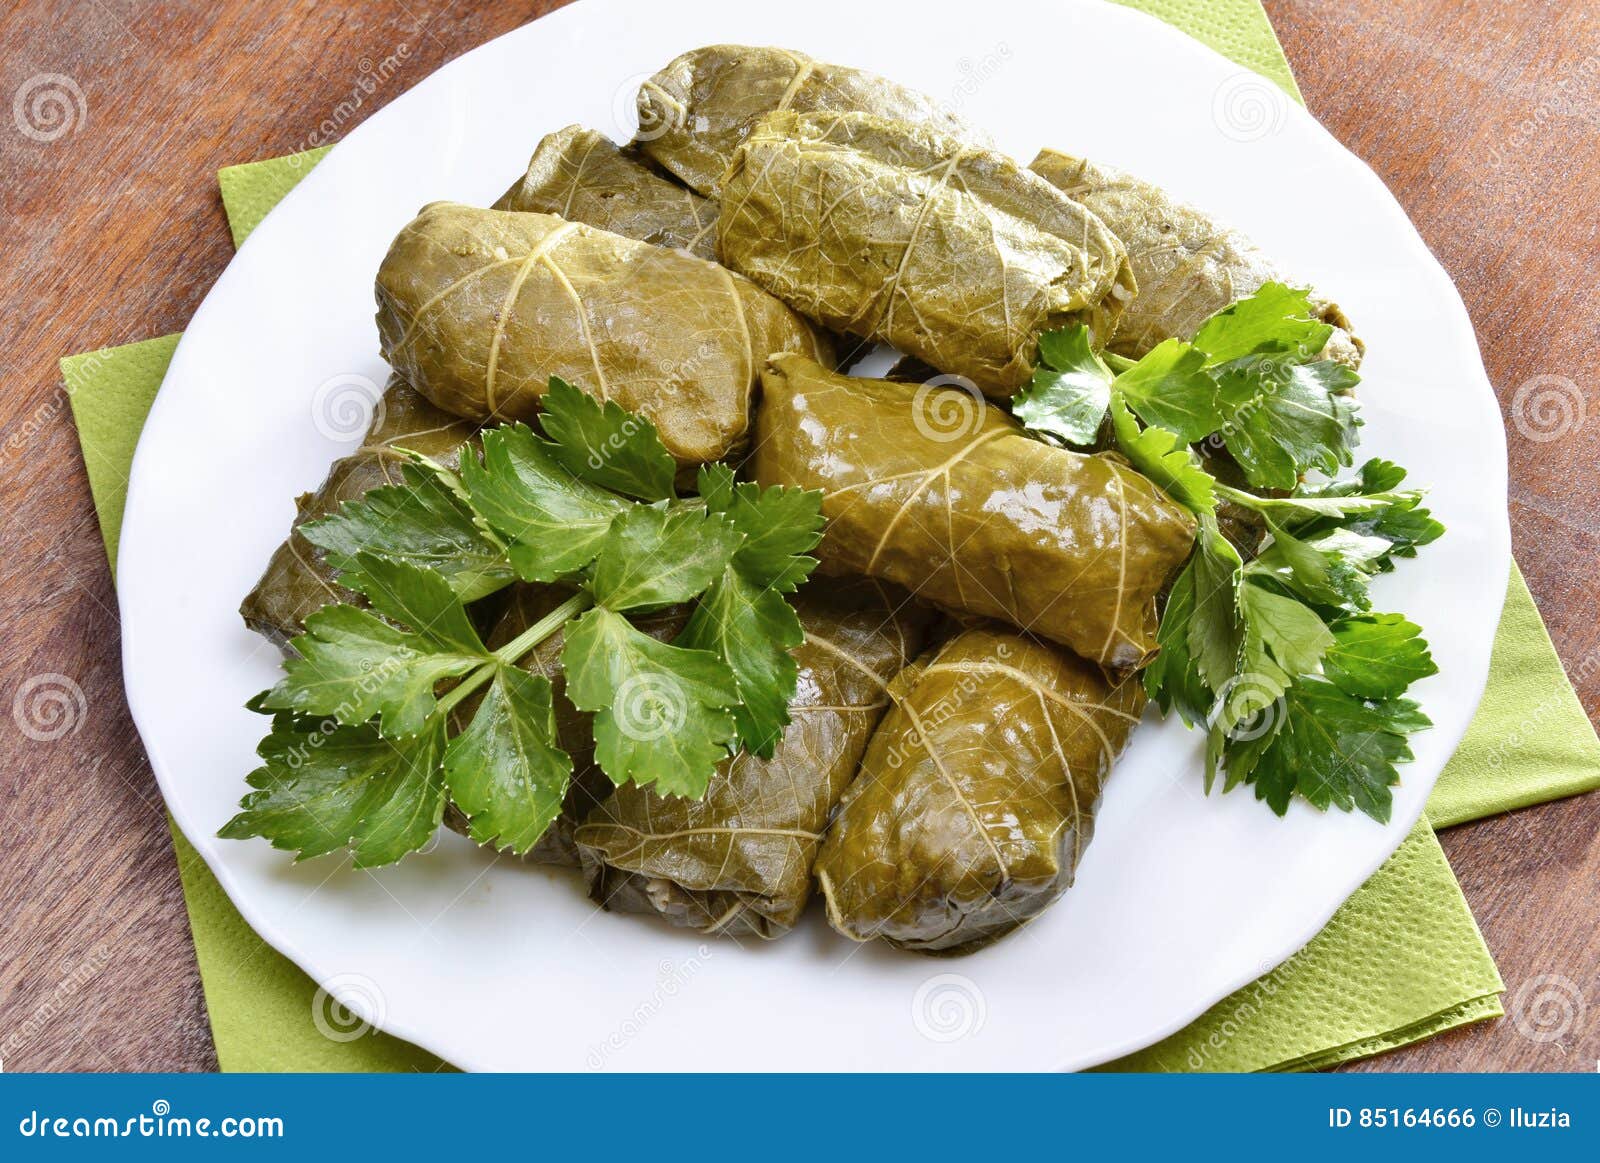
x=479, y=308
x=935, y=490
x=1188, y=265
x=896, y=232
x=298, y=580
x=585, y=177
x=976, y=797
x=739, y=861
x=582, y=176
x=694, y=113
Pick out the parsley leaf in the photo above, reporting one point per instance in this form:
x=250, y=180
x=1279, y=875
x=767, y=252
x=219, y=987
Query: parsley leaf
x=414, y=597
x=780, y=525
x=1308, y=650
x=1272, y=650
x=654, y=557
x=1340, y=536
x=604, y=444
x=1165, y=459
x=1281, y=420
x=553, y=522
x=1170, y=388
x=743, y=617
x=1318, y=576
x=1216, y=626
x=1251, y=376
x=321, y=790
x=593, y=507
x=662, y=711
x=1275, y=318
x=1398, y=516
x=1301, y=505
x=1249, y=649
x=1292, y=633
x=505, y=770
x=1334, y=750
x=751, y=629
x=1173, y=680
x=353, y=665
x=1377, y=656
x=422, y=522
x=1071, y=388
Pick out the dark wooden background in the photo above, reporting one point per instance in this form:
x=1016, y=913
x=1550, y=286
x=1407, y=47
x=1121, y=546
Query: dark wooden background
x=1483, y=117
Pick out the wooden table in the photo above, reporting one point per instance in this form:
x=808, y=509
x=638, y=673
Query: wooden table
x=1482, y=117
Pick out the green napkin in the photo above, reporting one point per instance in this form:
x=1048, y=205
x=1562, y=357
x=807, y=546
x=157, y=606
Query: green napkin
x=1238, y=29
x=1400, y=961
x=1530, y=741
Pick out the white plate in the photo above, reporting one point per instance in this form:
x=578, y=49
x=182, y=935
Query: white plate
x=496, y=966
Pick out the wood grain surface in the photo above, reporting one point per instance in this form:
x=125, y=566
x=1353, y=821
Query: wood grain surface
x=1484, y=118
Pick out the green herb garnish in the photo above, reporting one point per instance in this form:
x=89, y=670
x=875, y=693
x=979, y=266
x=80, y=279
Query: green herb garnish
x=1273, y=647
x=366, y=747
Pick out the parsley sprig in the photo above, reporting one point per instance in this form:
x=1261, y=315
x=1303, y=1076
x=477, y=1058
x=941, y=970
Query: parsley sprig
x=1272, y=647
x=367, y=744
